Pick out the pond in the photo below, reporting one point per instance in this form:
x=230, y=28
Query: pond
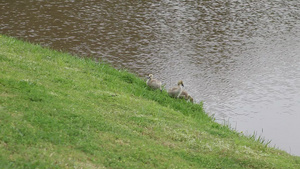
x=241, y=58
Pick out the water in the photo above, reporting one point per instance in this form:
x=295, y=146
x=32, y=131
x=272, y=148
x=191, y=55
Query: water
x=241, y=58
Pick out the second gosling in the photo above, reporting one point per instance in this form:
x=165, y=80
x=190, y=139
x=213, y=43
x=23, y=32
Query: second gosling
x=176, y=91
x=153, y=83
x=184, y=94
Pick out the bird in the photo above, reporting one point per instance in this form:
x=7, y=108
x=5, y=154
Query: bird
x=176, y=91
x=184, y=94
x=190, y=99
x=153, y=83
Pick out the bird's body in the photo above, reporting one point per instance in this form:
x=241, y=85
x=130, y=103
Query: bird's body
x=176, y=91
x=153, y=83
x=184, y=94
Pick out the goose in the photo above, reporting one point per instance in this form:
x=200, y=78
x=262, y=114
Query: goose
x=184, y=94
x=153, y=83
x=176, y=91
x=191, y=99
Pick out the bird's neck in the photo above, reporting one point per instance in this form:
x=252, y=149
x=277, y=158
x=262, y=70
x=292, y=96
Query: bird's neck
x=180, y=90
x=148, y=80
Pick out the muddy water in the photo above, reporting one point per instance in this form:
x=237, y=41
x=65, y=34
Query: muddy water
x=241, y=58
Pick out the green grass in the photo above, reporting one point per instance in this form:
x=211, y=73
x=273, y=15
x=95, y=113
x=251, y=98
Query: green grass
x=61, y=111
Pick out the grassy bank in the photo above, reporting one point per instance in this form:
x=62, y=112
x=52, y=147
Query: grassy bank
x=60, y=111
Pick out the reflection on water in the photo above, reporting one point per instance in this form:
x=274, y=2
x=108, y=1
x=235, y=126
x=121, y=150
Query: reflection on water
x=242, y=58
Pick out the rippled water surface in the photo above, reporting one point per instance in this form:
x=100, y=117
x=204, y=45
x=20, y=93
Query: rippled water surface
x=241, y=58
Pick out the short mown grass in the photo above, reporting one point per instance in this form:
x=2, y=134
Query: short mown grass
x=62, y=111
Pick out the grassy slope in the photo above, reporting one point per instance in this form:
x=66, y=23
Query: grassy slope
x=57, y=110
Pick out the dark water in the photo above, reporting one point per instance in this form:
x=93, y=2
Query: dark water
x=241, y=58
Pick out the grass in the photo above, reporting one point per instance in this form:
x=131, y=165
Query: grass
x=61, y=111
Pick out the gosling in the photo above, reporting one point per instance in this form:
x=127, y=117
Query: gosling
x=184, y=94
x=191, y=99
x=153, y=83
x=176, y=91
